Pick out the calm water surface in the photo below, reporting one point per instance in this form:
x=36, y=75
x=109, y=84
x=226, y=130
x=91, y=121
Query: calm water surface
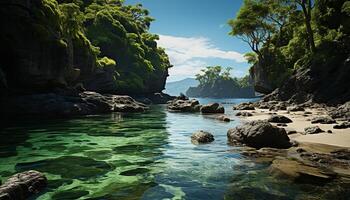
x=142, y=156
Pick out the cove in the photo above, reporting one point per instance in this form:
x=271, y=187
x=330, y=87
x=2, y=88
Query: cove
x=143, y=156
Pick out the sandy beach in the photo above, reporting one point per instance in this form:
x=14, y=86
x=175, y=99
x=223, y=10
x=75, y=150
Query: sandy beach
x=338, y=137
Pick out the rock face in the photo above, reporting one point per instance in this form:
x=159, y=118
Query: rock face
x=322, y=120
x=279, y=119
x=212, y=108
x=56, y=104
x=313, y=130
x=39, y=56
x=202, y=137
x=261, y=82
x=259, y=134
x=244, y=106
x=184, y=105
x=322, y=82
x=23, y=185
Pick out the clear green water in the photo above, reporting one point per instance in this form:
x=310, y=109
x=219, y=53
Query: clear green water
x=143, y=156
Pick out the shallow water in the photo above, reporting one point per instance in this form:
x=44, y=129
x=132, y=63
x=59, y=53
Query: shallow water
x=143, y=156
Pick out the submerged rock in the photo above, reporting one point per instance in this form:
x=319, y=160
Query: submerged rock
x=23, y=185
x=212, y=108
x=322, y=120
x=300, y=172
x=279, y=119
x=313, y=130
x=259, y=134
x=223, y=118
x=184, y=105
x=202, y=137
x=72, y=167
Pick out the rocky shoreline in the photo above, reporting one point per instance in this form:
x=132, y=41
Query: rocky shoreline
x=71, y=103
x=272, y=133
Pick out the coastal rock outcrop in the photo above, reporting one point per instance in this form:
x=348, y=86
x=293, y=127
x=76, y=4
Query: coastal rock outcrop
x=212, y=108
x=202, y=137
x=23, y=185
x=259, y=134
x=73, y=104
x=184, y=105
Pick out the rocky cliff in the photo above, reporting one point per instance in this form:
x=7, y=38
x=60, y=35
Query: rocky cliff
x=321, y=81
x=39, y=55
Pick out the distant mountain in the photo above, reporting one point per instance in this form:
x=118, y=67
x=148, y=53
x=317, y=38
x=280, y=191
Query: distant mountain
x=177, y=87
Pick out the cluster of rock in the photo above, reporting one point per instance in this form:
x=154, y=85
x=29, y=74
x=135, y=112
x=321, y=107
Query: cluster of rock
x=67, y=104
x=183, y=104
x=23, y=185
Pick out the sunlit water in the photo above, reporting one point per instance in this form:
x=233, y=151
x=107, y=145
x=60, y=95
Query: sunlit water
x=141, y=156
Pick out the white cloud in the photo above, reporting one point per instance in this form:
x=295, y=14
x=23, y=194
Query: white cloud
x=187, y=54
x=181, y=49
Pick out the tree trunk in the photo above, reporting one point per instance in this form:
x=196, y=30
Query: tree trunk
x=307, y=19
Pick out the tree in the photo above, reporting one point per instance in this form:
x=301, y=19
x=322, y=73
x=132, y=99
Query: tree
x=258, y=20
x=307, y=6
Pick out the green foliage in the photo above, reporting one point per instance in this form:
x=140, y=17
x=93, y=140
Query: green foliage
x=106, y=62
x=121, y=33
x=213, y=74
x=282, y=34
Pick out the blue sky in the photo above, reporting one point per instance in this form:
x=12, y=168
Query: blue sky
x=195, y=34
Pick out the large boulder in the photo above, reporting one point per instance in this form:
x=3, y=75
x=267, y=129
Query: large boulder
x=202, y=137
x=184, y=105
x=313, y=130
x=279, y=119
x=259, y=134
x=212, y=108
x=23, y=185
